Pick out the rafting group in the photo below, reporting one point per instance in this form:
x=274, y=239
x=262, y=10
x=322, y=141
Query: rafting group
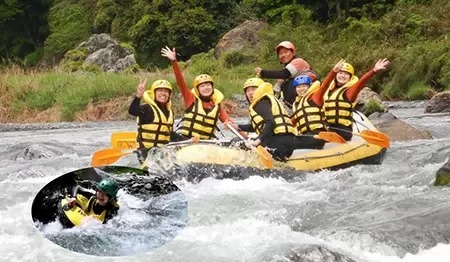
x=322, y=112
x=317, y=107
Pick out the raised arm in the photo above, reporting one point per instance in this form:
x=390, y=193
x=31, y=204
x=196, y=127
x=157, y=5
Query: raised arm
x=317, y=97
x=352, y=92
x=188, y=97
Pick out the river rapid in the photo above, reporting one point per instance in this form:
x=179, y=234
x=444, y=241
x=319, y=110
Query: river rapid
x=389, y=212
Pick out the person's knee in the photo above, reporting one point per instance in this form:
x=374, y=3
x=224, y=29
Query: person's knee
x=282, y=154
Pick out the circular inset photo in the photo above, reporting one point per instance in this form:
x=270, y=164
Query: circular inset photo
x=110, y=211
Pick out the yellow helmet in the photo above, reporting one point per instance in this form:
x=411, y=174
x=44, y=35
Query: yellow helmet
x=346, y=67
x=253, y=82
x=202, y=79
x=263, y=89
x=161, y=83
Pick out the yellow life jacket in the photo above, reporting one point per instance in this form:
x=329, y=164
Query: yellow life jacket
x=87, y=205
x=283, y=124
x=157, y=133
x=307, y=117
x=337, y=108
x=199, y=123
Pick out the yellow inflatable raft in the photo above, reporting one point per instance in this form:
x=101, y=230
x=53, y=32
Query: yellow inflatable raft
x=333, y=156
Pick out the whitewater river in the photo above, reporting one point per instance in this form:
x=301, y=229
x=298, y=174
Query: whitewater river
x=390, y=212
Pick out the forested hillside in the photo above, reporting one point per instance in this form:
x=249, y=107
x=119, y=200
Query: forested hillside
x=413, y=34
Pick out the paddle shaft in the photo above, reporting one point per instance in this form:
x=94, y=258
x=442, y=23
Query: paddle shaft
x=234, y=131
x=264, y=155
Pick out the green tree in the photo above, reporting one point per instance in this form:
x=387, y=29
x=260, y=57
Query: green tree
x=23, y=26
x=70, y=23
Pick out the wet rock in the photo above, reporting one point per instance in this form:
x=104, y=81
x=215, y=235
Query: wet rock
x=397, y=130
x=36, y=151
x=443, y=175
x=378, y=117
x=244, y=35
x=147, y=186
x=196, y=172
x=311, y=253
x=439, y=103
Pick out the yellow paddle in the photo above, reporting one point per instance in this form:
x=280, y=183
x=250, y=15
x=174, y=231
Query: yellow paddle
x=107, y=156
x=376, y=138
x=264, y=155
x=330, y=137
x=371, y=137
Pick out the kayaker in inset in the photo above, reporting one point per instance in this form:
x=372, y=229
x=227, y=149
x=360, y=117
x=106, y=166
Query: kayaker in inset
x=343, y=88
x=154, y=117
x=203, y=103
x=270, y=121
x=101, y=204
x=294, y=66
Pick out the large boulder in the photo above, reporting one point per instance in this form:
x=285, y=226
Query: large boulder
x=443, y=175
x=439, y=103
x=244, y=35
x=369, y=102
x=396, y=129
x=100, y=52
x=97, y=42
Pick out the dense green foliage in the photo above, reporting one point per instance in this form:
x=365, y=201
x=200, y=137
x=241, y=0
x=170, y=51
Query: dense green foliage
x=413, y=34
x=23, y=29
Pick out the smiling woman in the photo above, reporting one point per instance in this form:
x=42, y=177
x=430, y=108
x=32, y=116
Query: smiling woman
x=114, y=207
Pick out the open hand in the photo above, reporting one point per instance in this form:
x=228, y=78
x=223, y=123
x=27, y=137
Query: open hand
x=171, y=54
x=381, y=64
x=337, y=67
x=141, y=87
x=70, y=204
x=258, y=71
x=253, y=143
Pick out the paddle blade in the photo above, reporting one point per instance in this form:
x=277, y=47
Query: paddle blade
x=264, y=156
x=125, y=140
x=376, y=138
x=107, y=156
x=330, y=137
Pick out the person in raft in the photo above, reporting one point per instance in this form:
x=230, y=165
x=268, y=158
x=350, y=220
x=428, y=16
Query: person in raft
x=203, y=106
x=307, y=116
x=342, y=89
x=270, y=121
x=293, y=66
x=154, y=117
x=101, y=204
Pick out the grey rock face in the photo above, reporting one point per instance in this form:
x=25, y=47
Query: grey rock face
x=245, y=34
x=107, y=54
x=439, y=103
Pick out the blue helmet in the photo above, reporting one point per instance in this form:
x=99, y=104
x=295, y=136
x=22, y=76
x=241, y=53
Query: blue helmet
x=302, y=79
